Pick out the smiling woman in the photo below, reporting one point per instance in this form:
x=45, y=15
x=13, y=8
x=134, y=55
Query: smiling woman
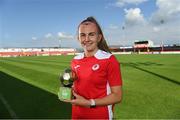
x=90, y=33
x=98, y=87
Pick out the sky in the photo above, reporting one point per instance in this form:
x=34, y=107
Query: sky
x=53, y=23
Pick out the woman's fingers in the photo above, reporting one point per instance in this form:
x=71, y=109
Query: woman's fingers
x=65, y=100
x=76, y=95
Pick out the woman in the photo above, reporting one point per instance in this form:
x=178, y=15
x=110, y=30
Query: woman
x=99, y=82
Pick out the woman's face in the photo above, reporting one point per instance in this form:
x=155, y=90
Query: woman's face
x=89, y=36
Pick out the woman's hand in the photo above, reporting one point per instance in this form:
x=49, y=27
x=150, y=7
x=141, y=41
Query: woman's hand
x=113, y=98
x=79, y=100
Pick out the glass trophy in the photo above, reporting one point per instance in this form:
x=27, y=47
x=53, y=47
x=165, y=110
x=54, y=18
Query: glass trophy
x=66, y=80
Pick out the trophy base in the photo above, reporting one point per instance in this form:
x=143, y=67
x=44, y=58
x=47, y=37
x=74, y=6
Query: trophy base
x=65, y=93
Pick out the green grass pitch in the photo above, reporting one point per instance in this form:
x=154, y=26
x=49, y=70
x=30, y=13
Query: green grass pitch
x=151, y=87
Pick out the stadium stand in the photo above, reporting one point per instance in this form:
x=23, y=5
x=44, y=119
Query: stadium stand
x=139, y=47
x=146, y=47
x=14, y=52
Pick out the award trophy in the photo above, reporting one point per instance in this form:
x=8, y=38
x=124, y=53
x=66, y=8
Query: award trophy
x=66, y=79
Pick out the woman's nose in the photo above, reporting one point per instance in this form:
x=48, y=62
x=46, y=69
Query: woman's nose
x=87, y=38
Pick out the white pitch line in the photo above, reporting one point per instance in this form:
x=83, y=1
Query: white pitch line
x=8, y=107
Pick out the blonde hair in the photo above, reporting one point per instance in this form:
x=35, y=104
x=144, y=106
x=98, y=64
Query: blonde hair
x=102, y=45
